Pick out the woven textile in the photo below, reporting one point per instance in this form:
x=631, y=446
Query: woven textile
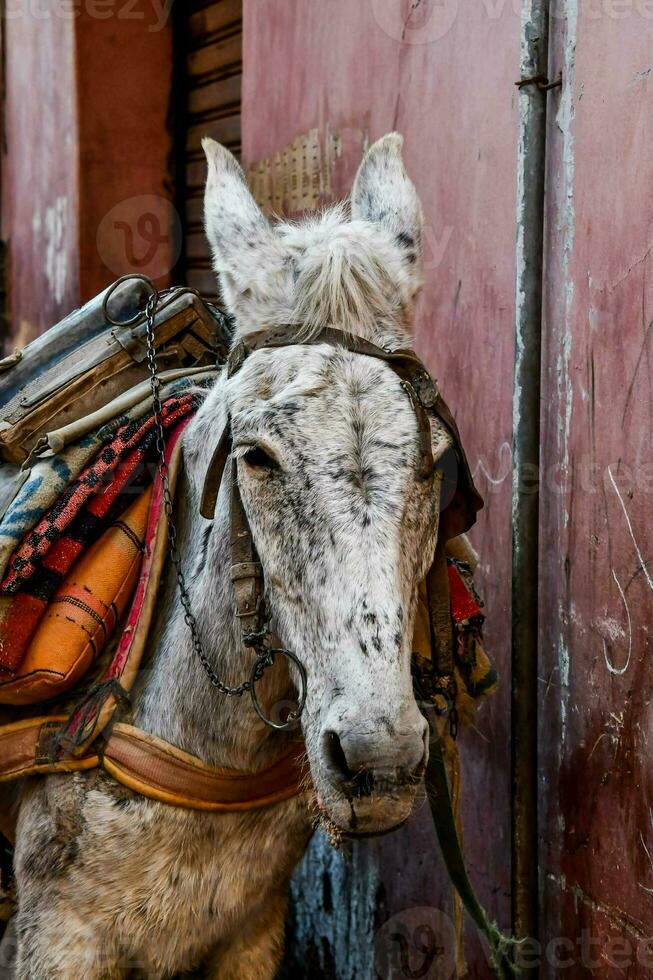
x=103, y=491
x=50, y=476
x=84, y=611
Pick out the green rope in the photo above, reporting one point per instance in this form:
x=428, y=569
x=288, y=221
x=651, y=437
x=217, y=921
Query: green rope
x=439, y=796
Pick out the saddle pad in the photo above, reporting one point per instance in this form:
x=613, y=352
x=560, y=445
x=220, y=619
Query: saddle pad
x=83, y=612
x=82, y=513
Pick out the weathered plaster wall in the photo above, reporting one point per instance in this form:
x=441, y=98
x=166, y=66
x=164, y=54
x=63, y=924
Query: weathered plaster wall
x=597, y=496
x=87, y=169
x=40, y=201
x=354, y=72
x=128, y=220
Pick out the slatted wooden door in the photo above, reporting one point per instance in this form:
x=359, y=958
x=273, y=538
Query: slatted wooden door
x=213, y=41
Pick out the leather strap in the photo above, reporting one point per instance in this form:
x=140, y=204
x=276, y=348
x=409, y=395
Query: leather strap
x=154, y=768
x=444, y=820
x=246, y=570
x=28, y=747
x=214, y=474
x=439, y=603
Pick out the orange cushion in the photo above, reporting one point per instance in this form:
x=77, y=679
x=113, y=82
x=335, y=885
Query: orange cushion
x=83, y=612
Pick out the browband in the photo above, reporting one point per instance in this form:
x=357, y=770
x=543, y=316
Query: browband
x=420, y=388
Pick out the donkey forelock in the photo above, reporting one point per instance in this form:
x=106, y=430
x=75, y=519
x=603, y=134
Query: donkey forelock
x=355, y=266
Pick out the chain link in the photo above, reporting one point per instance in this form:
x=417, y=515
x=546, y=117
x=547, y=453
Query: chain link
x=265, y=657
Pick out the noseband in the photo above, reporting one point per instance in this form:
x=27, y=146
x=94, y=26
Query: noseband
x=246, y=568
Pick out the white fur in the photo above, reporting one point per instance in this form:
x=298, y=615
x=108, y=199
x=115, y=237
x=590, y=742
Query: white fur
x=360, y=275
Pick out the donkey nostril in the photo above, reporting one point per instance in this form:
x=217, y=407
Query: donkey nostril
x=336, y=755
x=362, y=781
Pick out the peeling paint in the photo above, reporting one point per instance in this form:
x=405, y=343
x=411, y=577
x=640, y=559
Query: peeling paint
x=333, y=902
x=299, y=176
x=55, y=227
x=567, y=218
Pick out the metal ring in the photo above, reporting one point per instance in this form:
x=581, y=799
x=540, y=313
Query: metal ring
x=110, y=291
x=295, y=715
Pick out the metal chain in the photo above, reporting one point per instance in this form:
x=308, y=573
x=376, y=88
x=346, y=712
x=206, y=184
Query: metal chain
x=266, y=657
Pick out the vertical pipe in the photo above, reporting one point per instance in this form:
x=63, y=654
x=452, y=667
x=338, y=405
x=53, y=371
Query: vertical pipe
x=525, y=495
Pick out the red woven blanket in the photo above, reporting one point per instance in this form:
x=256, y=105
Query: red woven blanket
x=101, y=493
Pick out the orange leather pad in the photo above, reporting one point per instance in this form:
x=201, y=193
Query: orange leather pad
x=84, y=611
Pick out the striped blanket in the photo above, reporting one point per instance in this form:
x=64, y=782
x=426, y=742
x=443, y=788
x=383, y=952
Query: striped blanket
x=82, y=517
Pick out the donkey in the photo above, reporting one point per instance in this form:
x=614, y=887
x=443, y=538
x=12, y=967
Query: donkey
x=325, y=442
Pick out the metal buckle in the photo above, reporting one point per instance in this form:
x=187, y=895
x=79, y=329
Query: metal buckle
x=254, y=611
x=267, y=660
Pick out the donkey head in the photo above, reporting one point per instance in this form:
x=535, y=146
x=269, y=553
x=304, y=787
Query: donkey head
x=326, y=446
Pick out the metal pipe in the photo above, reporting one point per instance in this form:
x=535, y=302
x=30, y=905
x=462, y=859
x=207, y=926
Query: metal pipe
x=526, y=441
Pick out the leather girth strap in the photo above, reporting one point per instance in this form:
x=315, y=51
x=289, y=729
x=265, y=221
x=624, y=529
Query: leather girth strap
x=29, y=747
x=152, y=767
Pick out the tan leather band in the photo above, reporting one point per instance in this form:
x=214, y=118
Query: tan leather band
x=26, y=747
x=152, y=767
x=161, y=771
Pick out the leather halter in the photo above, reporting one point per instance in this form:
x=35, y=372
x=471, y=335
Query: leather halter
x=418, y=384
x=460, y=514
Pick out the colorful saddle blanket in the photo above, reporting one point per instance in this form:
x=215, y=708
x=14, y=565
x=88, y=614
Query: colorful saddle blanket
x=71, y=577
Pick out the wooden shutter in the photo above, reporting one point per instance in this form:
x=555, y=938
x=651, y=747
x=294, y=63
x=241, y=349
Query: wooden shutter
x=214, y=60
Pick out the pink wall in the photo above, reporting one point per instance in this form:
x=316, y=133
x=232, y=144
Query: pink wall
x=87, y=189
x=128, y=221
x=448, y=85
x=40, y=200
x=344, y=67
x=597, y=501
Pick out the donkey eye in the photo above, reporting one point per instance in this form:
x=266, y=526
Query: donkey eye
x=259, y=459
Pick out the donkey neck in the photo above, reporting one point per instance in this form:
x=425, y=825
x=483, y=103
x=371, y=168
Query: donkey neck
x=176, y=699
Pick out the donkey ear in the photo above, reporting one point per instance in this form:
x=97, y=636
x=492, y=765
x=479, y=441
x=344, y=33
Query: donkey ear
x=384, y=193
x=244, y=246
